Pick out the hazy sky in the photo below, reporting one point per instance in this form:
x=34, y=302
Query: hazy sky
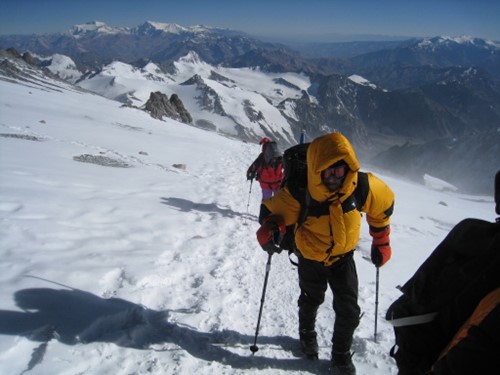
x=478, y=18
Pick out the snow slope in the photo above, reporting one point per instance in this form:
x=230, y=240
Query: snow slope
x=122, y=263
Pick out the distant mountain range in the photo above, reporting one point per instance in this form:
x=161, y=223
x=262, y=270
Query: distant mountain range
x=94, y=44
x=440, y=91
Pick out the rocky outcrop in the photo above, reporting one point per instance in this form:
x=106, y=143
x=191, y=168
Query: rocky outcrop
x=184, y=115
x=207, y=99
x=159, y=106
x=28, y=57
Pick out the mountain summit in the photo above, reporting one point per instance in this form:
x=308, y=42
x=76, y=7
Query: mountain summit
x=95, y=28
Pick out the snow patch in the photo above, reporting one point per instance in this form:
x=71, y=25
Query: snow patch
x=361, y=81
x=64, y=67
x=437, y=184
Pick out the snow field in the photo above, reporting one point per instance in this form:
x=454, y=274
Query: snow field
x=152, y=269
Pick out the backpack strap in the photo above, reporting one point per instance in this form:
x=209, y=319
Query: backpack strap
x=413, y=320
x=304, y=207
x=302, y=196
x=309, y=207
x=361, y=192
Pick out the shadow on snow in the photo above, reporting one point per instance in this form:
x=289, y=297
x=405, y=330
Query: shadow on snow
x=185, y=205
x=74, y=317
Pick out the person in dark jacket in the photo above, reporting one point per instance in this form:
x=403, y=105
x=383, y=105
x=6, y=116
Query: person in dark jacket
x=475, y=347
x=267, y=169
x=447, y=320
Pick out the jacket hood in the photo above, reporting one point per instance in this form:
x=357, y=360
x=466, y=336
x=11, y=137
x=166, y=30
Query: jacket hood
x=322, y=153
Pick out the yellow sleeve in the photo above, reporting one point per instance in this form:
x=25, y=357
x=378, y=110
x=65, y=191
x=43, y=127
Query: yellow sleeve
x=379, y=202
x=284, y=205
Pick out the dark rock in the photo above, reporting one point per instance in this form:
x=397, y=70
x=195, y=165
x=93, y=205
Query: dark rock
x=159, y=106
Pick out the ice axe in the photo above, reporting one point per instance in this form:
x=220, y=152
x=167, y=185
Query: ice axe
x=254, y=348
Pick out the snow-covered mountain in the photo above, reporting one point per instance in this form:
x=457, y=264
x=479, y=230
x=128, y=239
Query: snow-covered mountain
x=237, y=102
x=404, y=67
x=148, y=28
x=95, y=44
x=457, y=109
x=64, y=67
x=434, y=53
x=96, y=28
x=128, y=245
x=449, y=42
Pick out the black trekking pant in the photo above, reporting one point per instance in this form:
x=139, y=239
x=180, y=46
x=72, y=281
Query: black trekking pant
x=342, y=277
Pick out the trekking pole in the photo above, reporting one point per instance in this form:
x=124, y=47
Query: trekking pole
x=376, y=302
x=254, y=348
x=248, y=203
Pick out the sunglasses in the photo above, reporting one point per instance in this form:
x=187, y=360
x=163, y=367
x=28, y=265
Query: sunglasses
x=335, y=172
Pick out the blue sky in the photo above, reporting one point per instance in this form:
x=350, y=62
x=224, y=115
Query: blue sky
x=265, y=17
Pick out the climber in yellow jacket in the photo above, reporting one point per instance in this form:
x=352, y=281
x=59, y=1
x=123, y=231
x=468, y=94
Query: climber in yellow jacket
x=326, y=233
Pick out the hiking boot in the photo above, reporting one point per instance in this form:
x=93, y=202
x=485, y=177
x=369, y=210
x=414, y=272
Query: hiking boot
x=308, y=343
x=342, y=364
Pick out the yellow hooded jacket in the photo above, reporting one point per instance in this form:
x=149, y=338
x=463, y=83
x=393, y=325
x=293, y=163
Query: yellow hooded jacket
x=326, y=237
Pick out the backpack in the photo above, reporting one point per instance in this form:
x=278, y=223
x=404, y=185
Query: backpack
x=295, y=179
x=443, y=293
x=295, y=170
x=271, y=152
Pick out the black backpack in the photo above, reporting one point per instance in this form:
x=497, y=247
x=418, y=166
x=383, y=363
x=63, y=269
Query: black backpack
x=271, y=152
x=295, y=170
x=295, y=179
x=443, y=293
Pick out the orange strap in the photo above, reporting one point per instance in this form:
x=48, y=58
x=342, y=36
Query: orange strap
x=482, y=310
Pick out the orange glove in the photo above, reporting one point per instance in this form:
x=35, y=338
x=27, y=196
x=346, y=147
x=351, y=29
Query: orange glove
x=271, y=233
x=381, y=248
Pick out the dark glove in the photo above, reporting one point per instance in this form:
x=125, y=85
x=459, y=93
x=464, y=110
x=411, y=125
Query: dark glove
x=250, y=175
x=381, y=248
x=271, y=233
